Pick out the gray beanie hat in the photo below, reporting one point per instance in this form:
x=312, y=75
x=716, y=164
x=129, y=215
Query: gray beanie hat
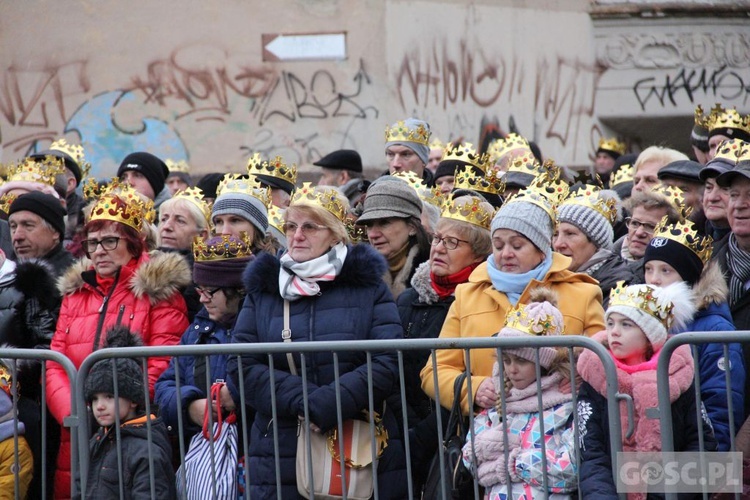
x=422, y=150
x=390, y=197
x=532, y=221
x=589, y=221
x=244, y=205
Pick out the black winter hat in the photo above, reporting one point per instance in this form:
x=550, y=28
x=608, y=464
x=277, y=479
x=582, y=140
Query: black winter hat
x=209, y=183
x=129, y=374
x=677, y=255
x=45, y=206
x=152, y=168
x=342, y=159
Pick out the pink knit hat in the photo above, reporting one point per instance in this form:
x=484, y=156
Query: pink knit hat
x=539, y=317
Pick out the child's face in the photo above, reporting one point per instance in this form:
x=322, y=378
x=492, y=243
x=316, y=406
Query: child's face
x=659, y=273
x=104, y=409
x=626, y=340
x=521, y=372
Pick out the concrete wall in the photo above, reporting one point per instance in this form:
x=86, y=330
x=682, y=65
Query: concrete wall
x=188, y=80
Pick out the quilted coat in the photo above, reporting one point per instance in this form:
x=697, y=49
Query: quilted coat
x=146, y=298
x=357, y=305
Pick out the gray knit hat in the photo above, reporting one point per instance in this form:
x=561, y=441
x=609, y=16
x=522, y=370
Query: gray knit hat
x=412, y=124
x=581, y=213
x=532, y=221
x=244, y=205
x=390, y=197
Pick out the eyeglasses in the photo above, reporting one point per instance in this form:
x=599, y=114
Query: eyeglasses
x=205, y=292
x=308, y=228
x=635, y=224
x=450, y=242
x=108, y=243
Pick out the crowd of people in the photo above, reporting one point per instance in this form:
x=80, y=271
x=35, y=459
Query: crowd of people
x=449, y=242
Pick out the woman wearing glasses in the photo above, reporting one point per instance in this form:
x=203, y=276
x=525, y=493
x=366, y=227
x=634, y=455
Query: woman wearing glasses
x=334, y=292
x=119, y=283
x=521, y=260
x=461, y=242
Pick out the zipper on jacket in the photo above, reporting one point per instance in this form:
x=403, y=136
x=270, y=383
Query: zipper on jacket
x=103, y=310
x=119, y=314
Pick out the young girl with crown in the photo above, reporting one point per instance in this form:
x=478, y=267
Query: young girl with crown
x=638, y=320
x=507, y=455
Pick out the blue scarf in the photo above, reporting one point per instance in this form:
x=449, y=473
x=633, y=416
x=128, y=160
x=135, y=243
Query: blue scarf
x=513, y=285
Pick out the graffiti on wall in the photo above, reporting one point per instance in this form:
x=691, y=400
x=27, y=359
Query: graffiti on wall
x=187, y=106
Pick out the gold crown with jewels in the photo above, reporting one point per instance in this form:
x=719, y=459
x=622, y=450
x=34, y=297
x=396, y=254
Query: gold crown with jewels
x=413, y=180
x=686, y=234
x=642, y=297
x=357, y=232
x=518, y=319
x=622, y=175
x=41, y=170
x=227, y=248
x=177, y=166
x=272, y=168
x=732, y=151
x=612, y=144
x=195, y=196
x=6, y=201
x=590, y=197
x=121, y=203
x=436, y=143
x=724, y=118
x=500, y=147
x=676, y=197
x=276, y=218
x=433, y=196
x=471, y=212
x=465, y=153
x=76, y=152
x=242, y=184
x=401, y=132
x=325, y=197
x=526, y=163
x=491, y=182
x=546, y=191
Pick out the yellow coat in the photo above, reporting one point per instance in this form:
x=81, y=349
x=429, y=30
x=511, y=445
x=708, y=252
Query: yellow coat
x=479, y=311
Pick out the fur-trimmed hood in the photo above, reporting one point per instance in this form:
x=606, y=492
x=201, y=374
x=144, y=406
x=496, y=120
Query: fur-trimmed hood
x=158, y=275
x=711, y=288
x=422, y=284
x=363, y=267
x=34, y=278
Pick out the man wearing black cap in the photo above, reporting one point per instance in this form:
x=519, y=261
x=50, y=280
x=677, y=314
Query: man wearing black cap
x=342, y=169
x=146, y=174
x=37, y=228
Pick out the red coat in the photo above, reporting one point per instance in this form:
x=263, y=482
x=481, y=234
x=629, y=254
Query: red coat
x=146, y=298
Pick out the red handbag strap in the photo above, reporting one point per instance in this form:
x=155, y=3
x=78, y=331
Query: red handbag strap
x=215, y=397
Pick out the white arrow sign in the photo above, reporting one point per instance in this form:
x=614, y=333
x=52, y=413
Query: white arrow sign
x=304, y=47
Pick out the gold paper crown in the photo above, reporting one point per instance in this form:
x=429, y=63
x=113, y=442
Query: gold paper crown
x=526, y=163
x=726, y=118
x=731, y=150
x=436, y=143
x=466, y=153
x=401, y=132
x=357, y=232
x=491, y=182
x=227, y=248
x=7, y=382
x=237, y=183
x=6, y=201
x=590, y=197
x=470, y=212
x=676, y=197
x=276, y=218
x=518, y=319
x=546, y=191
x=686, y=235
x=121, y=203
x=500, y=147
x=699, y=119
x=177, y=166
x=41, y=170
x=328, y=199
x=195, y=196
x=413, y=180
x=432, y=196
x=273, y=168
x=75, y=151
x=612, y=144
x=623, y=174
x=642, y=297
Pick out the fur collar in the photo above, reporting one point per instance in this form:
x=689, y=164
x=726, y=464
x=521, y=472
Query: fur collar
x=364, y=267
x=711, y=288
x=398, y=283
x=422, y=284
x=34, y=279
x=159, y=275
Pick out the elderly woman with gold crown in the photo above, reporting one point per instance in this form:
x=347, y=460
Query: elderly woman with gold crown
x=331, y=291
x=521, y=260
x=118, y=283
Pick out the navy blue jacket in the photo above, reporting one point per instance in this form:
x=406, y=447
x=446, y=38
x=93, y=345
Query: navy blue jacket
x=201, y=331
x=357, y=305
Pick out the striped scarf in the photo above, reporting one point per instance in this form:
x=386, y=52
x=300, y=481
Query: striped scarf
x=738, y=262
x=300, y=279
